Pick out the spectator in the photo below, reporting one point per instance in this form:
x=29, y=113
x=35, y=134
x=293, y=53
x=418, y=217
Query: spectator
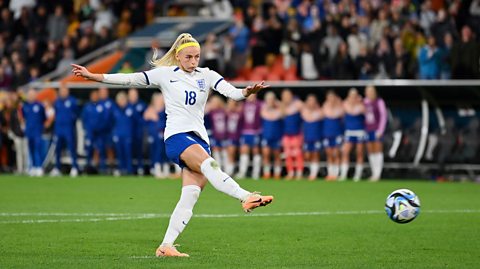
x=17, y=5
x=64, y=64
x=355, y=41
x=57, y=24
x=126, y=68
x=427, y=16
x=442, y=26
x=308, y=70
x=377, y=27
x=16, y=132
x=445, y=65
x=5, y=80
x=365, y=64
x=240, y=35
x=332, y=42
x=104, y=18
x=210, y=51
x=342, y=63
x=465, y=56
x=429, y=60
x=399, y=69
x=383, y=59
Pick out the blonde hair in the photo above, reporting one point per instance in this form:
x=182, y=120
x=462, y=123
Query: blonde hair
x=169, y=58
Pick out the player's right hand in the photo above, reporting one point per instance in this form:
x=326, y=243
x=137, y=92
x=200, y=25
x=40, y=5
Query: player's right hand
x=80, y=71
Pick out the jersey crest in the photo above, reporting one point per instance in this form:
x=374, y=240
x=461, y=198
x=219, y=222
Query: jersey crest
x=201, y=84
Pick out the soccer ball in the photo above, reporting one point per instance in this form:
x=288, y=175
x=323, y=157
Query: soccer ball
x=402, y=206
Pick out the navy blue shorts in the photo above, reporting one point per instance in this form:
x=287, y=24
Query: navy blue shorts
x=272, y=143
x=232, y=142
x=332, y=142
x=250, y=140
x=371, y=137
x=311, y=146
x=217, y=143
x=176, y=144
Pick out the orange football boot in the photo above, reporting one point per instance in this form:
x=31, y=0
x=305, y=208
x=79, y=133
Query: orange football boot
x=255, y=200
x=169, y=251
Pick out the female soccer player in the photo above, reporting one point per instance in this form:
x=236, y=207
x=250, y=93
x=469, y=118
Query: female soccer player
x=375, y=121
x=250, y=139
x=312, y=117
x=218, y=120
x=123, y=123
x=155, y=119
x=185, y=87
x=271, y=136
x=354, y=133
x=292, y=140
x=234, y=128
x=332, y=132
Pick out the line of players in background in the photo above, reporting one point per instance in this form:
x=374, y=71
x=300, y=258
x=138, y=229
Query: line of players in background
x=111, y=130
x=259, y=132
x=263, y=132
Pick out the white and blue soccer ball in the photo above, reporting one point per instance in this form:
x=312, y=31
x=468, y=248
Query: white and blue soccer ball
x=402, y=206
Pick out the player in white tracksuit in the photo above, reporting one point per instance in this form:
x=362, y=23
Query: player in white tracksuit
x=186, y=87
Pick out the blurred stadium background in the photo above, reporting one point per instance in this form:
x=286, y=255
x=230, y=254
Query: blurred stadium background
x=307, y=46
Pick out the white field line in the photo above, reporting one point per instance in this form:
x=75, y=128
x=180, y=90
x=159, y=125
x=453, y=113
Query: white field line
x=137, y=216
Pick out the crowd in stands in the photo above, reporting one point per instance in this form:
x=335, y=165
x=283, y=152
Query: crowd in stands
x=38, y=36
x=351, y=39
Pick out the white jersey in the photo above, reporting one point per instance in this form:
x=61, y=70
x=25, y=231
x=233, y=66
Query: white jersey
x=185, y=94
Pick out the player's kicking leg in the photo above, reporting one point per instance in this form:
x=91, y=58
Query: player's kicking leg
x=198, y=160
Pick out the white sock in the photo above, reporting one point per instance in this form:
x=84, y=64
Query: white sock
x=344, y=170
x=244, y=162
x=166, y=169
x=178, y=170
x=379, y=163
x=314, y=167
x=221, y=181
x=217, y=155
x=277, y=170
x=373, y=166
x=257, y=165
x=229, y=167
x=182, y=213
x=329, y=169
x=335, y=170
x=358, y=171
x=225, y=161
x=267, y=169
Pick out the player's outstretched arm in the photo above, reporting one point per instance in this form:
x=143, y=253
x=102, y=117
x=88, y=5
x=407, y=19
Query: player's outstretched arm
x=133, y=79
x=230, y=91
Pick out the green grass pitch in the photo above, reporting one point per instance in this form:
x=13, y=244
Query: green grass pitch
x=105, y=222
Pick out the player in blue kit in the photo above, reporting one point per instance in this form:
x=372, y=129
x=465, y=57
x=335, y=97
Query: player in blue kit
x=155, y=119
x=34, y=116
x=138, y=130
x=332, y=133
x=186, y=87
x=103, y=133
x=66, y=114
x=90, y=121
x=123, y=122
x=312, y=117
x=355, y=134
x=272, y=125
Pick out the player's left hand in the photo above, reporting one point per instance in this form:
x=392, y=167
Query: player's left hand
x=249, y=90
